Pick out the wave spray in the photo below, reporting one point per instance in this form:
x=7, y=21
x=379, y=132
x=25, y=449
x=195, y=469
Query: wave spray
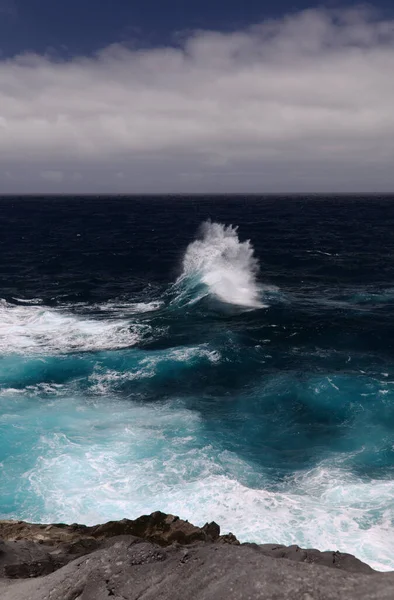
x=223, y=266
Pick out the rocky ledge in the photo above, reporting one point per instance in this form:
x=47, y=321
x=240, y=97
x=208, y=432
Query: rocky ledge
x=161, y=557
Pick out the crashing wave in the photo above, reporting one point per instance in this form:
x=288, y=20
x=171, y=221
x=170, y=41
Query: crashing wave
x=30, y=329
x=217, y=264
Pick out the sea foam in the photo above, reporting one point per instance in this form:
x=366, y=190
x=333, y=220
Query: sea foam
x=110, y=460
x=30, y=329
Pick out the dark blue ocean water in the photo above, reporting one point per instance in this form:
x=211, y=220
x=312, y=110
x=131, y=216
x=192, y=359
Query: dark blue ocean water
x=152, y=358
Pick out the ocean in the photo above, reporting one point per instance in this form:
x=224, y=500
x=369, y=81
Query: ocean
x=217, y=358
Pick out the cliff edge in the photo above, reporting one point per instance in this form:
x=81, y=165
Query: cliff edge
x=161, y=557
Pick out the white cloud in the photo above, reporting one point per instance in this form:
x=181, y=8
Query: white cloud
x=302, y=103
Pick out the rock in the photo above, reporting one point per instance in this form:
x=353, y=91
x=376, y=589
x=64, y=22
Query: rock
x=338, y=560
x=162, y=529
x=212, y=530
x=141, y=570
x=29, y=550
x=161, y=557
x=25, y=559
x=158, y=527
x=43, y=534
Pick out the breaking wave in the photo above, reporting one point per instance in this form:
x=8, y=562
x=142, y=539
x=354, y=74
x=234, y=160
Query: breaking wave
x=33, y=329
x=125, y=394
x=219, y=265
x=113, y=459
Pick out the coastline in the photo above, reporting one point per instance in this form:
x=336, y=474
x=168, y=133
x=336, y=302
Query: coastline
x=59, y=561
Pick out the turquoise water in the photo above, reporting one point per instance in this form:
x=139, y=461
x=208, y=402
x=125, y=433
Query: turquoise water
x=149, y=365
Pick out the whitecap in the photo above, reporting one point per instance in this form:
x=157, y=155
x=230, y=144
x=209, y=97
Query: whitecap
x=226, y=268
x=40, y=330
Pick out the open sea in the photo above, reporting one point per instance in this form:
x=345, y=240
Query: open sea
x=218, y=358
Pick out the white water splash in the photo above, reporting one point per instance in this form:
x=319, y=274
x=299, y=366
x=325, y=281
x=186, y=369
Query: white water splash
x=36, y=329
x=226, y=266
x=112, y=460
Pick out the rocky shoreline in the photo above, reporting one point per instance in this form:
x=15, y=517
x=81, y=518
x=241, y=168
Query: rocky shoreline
x=162, y=557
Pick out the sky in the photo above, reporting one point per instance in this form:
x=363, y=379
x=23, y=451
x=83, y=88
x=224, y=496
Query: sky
x=150, y=96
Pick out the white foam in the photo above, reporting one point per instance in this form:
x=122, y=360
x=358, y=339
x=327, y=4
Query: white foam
x=29, y=300
x=184, y=354
x=39, y=390
x=106, y=380
x=127, y=308
x=37, y=329
x=126, y=461
x=225, y=265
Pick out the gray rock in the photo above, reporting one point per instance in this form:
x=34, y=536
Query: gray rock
x=339, y=560
x=136, y=570
x=161, y=557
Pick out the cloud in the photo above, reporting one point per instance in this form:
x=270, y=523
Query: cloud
x=305, y=103
x=52, y=176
